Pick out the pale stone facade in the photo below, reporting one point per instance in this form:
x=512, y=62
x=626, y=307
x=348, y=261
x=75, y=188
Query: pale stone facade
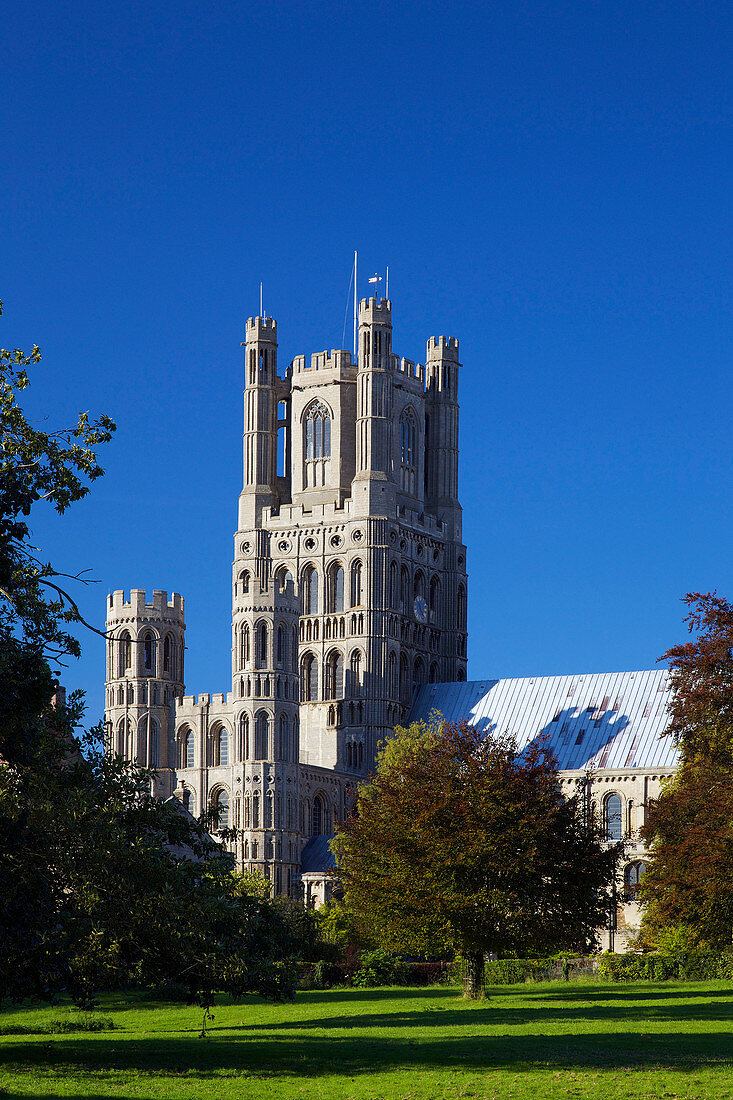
x=349, y=589
x=349, y=595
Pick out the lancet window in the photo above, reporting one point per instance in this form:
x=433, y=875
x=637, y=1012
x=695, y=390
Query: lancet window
x=408, y=452
x=316, y=444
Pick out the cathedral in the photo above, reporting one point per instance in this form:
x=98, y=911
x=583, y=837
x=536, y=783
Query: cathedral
x=349, y=600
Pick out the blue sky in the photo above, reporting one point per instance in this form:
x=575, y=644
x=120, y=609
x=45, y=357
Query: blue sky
x=550, y=182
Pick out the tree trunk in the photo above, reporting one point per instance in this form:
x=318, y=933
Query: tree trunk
x=473, y=975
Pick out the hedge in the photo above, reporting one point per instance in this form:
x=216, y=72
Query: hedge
x=689, y=966
x=512, y=971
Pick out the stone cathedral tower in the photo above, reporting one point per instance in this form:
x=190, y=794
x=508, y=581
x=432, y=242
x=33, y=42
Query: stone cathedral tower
x=349, y=590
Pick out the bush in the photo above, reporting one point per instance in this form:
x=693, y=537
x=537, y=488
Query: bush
x=512, y=971
x=689, y=966
x=378, y=968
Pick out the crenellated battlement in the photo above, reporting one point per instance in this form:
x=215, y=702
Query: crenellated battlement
x=443, y=347
x=261, y=328
x=137, y=606
x=375, y=311
x=260, y=598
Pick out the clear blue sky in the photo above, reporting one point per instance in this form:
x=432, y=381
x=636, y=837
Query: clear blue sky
x=550, y=182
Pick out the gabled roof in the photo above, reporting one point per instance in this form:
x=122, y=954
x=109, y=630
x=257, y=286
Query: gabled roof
x=597, y=721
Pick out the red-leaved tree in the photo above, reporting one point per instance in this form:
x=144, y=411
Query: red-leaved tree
x=462, y=841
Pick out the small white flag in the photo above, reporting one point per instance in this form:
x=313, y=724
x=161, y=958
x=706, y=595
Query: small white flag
x=376, y=279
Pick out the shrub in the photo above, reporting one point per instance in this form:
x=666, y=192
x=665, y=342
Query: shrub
x=690, y=966
x=378, y=968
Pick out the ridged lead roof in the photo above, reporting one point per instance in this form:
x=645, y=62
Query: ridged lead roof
x=598, y=721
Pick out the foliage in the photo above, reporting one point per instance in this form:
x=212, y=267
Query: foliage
x=701, y=712
x=123, y=888
x=689, y=829
x=378, y=967
x=462, y=842
x=101, y=885
x=693, y=966
x=689, y=880
x=337, y=926
x=512, y=971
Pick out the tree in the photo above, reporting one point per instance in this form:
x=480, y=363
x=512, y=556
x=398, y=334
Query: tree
x=689, y=828
x=461, y=841
x=100, y=884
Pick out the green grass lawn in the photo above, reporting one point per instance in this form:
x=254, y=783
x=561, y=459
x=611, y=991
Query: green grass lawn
x=552, y=1040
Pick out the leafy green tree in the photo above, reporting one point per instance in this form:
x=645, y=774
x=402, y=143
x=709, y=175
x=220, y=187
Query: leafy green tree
x=100, y=884
x=689, y=828
x=103, y=885
x=462, y=841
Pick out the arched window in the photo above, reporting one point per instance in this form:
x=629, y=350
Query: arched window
x=392, y=675
x=284, y=738
x=408, y=452
x=149, y=652
x=404, y=589
x=308, y=678
x=418, y=675
x=461, y=608
x=394, y=586
x=187, y=800
x=434, y=599
x=316, y=444
x=220, y=807
x=189, y=749
x=633, y=875
x=404, y=679
x=221, y=747
x=261, y=732
x=244, y=645
x=356, y=574
x=334, y=675
x=335, y=597
x=434, y=673
x=261, y=645
x=267, y=823
x=282, y=646
x=255, y=817
x=282, y=576
x=153, y=743
x=244, y=737
x=167, y=645
x=309, y=590
x=319, y=816
x=244, y=582
x=125, y=652
x=355, y=673
x=418, y=588
x=614, y=826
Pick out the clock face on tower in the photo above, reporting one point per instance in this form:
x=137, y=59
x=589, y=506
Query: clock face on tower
x=421, y=609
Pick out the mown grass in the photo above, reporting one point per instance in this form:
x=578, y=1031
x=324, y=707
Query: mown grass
x=552, y=1040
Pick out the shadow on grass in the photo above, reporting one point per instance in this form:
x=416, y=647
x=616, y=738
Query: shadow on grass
x=314, y=1056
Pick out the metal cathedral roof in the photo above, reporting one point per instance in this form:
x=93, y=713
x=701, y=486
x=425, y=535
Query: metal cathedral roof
x=598, y=721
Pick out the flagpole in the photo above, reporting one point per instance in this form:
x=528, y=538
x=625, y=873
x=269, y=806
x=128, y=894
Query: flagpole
x=386, y=289
x=261, y=300
x=355, y=309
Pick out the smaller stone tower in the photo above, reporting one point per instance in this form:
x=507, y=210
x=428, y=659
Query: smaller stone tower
x=145, y=648
x=373, y=486
x=266, y=738
x=260, y=421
